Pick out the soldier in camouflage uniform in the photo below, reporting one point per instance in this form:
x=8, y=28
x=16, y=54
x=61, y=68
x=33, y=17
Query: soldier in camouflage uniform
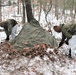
x=8, y=25
x=67, y=32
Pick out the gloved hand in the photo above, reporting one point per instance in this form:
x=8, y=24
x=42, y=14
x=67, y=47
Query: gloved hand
x=60, y=44
x=66, y=42
x=57, y=47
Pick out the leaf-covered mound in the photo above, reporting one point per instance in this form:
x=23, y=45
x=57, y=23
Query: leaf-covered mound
x=32, y=33
x=38, y=50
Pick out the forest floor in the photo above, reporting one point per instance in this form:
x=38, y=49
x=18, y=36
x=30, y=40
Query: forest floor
x=35, y=61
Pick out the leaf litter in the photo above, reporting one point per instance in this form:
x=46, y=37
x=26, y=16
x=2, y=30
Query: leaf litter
x=35, y=61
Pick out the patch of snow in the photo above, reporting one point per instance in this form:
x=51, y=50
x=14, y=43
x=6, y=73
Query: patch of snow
x=72, y=44
x=2, y=36
x=16, y=30
x=49, y=49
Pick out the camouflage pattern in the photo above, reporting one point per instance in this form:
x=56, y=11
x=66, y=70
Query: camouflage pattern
x=8, y=25
x=11, y=23
x=67, y=32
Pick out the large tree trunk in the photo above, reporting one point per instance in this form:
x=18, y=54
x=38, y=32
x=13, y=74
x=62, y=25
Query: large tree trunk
x=29, y=10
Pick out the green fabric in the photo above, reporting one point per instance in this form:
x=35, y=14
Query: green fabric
x=10, y=26
x=68, y=30
x=33, y=33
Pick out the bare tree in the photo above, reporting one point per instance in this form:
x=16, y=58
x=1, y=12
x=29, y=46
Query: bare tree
x=29, y=10
x=18, y=7
x=56, y=9
x=23, y=4
x=40, y=11
x=71, y=9
x=47, y=8
x=0, y=11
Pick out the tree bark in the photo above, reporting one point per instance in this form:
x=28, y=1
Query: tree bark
x=18, y=7
x=0, y=11
x=29, y=10
x=23, y=4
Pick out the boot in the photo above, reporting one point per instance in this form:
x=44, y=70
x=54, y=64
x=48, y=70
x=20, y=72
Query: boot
x=70, y=53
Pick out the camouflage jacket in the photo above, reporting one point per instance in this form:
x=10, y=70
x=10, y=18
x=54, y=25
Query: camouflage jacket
x=67, y=32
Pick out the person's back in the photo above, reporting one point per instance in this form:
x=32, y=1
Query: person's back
x=71, y=29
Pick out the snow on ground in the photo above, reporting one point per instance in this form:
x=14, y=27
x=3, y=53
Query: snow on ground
x=21, y=65
x=16, y=30
x=2, y=35
x=72, y=45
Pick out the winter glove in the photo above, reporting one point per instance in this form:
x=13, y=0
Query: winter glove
x=66, y=42
x=60, y=44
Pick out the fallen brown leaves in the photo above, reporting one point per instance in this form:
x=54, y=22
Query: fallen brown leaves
x=37, y=50
x=8, y=48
